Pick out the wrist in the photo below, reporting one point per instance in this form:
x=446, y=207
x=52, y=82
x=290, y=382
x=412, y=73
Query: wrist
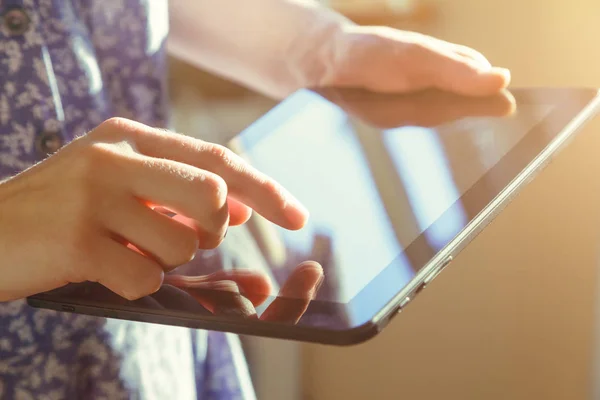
x=315, y=56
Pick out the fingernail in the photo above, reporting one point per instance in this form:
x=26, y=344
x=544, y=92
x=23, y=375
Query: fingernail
x=237, y=306
x=235, y=272
x=225, y=311
x=224, y=286
x=480, y=65
x=501, y=71
x=304, y=280
x=320, y=283
x=318, y=287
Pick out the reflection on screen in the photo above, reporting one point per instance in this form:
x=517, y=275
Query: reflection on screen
x=326, y=169
x=372, y=192
x=421, y=161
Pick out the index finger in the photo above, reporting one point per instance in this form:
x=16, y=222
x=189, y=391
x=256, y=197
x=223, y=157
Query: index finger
x=244, y=183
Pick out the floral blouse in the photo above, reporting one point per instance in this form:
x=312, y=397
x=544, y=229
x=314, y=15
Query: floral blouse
x=66, y=66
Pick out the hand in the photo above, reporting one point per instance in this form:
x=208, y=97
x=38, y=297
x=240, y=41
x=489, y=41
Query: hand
x=94, y=210
x=426, y=108
x=236, y=293
x=383, y=59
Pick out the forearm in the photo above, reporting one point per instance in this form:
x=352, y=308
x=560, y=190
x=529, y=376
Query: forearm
x=273, y=46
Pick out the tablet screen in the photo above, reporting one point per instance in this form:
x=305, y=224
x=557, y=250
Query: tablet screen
x=389, y=182
x=372, y=192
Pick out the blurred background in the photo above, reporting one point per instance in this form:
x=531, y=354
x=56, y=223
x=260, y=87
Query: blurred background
x=513, y=317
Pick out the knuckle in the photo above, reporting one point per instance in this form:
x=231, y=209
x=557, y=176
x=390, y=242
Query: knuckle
x=152, y=281
x=149, y=284
x=116, y=124
x=215, y=189
x=214, y=235
x=131, y=296
x=108, y=129
x=184, y=249
x=94, y=158
x=95, y=187
x=274, y=190
x=189, y=243
x=102, y=162
x=116, y=129
x=217, y=150
x=225, y=155
x=93, y=175
x=212, y=241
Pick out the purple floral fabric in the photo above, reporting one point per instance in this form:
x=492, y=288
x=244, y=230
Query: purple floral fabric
x=66, y=66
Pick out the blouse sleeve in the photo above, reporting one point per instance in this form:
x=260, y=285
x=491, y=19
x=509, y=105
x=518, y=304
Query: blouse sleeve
x=271, y=46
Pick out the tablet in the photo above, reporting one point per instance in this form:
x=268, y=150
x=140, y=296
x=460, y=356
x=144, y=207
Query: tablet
x=396, y=186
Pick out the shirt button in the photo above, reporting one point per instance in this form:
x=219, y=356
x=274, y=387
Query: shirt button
x=48, y=143
x=16, y=21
